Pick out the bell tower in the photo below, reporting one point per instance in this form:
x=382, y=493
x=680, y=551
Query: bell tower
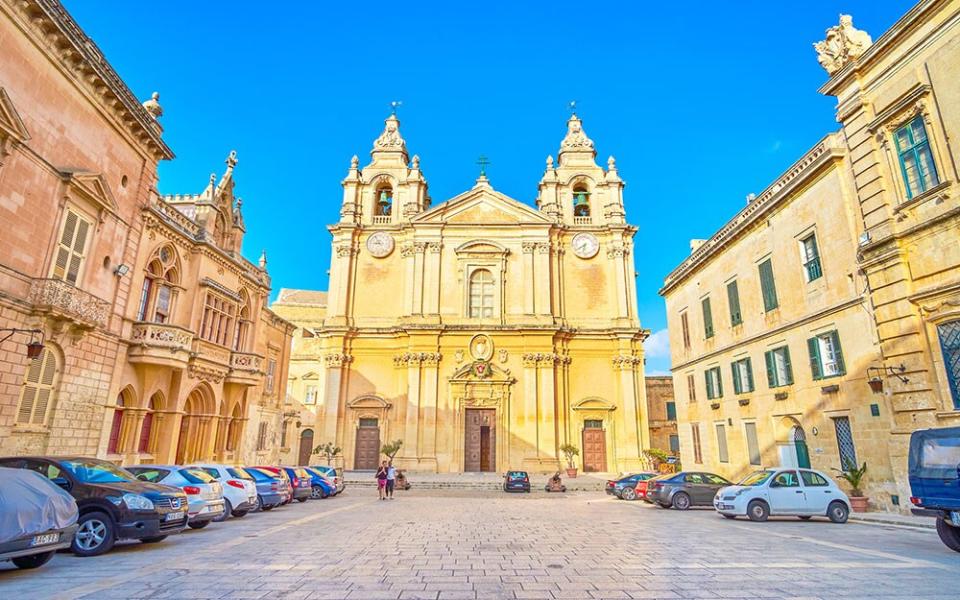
x=391, y=189
x=577, y=191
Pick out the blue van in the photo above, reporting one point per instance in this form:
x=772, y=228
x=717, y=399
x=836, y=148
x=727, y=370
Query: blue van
x=935, y=480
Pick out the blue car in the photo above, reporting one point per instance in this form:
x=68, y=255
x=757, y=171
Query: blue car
x=272, y=490
x=934, y=471
x=320, y=486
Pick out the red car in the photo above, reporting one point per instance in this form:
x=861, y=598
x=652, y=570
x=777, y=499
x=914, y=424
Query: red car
x=641, y=488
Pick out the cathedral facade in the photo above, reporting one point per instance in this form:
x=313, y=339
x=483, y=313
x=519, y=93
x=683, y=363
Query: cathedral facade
x=482, y=332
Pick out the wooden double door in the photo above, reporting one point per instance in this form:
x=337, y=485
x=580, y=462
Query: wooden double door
x=480, y=440
x=594, y=447
x=367, y=453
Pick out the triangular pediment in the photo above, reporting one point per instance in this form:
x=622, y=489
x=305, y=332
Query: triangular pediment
x=10, y=122
x=482, y=206
x=92, y=187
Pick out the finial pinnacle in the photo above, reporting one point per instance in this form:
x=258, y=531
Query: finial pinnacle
x=483, y=161
x=572, y=105
x=394, y=105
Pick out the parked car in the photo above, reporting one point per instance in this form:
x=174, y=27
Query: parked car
x=273, y=489
x=283, y=474
x=685, y=489
x=321, y=487
x=37, y=518
x=332, y=475
x=204, y=492
x=516, y=481
x=791, y=492
x=239, y=489
x=625, y=488
x=114, y=505
x=934, y=473
x=301, y=482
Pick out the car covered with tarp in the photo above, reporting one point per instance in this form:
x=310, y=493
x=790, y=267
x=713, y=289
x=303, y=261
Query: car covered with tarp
x=37, y=518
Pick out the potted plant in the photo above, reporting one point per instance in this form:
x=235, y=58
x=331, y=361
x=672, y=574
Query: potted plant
x=655, y=457
x=329, y=451
x=853, y=475
x=570, y=451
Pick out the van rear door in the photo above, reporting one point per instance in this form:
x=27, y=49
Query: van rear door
x=935, y=467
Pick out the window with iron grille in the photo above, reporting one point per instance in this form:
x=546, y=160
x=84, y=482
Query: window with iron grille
x=950, y=346
x=848, y=453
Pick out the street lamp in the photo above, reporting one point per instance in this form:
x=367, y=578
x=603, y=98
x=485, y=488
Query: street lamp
x=875, y=381
x=34, y=346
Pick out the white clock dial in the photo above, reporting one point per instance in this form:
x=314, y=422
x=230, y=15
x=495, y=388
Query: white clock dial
x=380, y=244
x=585, y=245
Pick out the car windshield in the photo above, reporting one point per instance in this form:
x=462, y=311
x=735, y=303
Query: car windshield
x=239, y=473
x=89, y=471
x=196, y=476
x=756, y=478
x=515, y=475
x=263, y=474
x=148, y=474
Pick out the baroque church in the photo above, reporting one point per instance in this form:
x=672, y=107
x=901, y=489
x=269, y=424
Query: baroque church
x=482, y=332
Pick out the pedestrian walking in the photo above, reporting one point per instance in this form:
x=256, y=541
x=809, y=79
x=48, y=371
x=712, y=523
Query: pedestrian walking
x=382, y=480
x=391, y=479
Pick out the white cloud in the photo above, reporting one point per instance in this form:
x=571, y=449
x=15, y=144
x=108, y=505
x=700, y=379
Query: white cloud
x=657, y=373
x=657, y=345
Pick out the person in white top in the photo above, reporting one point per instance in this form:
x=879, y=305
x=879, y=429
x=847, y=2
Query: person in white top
x=391, y=479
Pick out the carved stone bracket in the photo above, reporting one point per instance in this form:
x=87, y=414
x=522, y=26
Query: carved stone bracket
x=625, y=362
x=533, y=359
x=412, y=359
x=336, y=360
x=207, y=374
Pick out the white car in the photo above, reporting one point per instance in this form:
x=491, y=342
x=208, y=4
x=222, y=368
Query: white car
x=239, y=489
x=204, y=493
x=801, y=493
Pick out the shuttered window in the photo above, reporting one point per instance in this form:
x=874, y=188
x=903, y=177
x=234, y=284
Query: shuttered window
x=271, y=375
x=733, y=299
x=916, y=160
x=742, y=376
x=38, y=390
x=767, y=286
x=695, y=435
x=72, y=248
x=685, y=326
x=691, y=388
x=779, y=370
x=753, y=445
x=722, y=454
x=811, y=258
x=826, y=356
x=262, y=437
x=714, y=383
x=707, y=318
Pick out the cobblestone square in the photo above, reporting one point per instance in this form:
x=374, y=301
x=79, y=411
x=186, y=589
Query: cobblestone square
x=447, y=545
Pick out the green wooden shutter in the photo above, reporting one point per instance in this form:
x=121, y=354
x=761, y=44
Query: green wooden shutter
x=719, y=383
x=815, y=365
x=787, y=366
x=836, y=345
x=737, y=384
x=749, y=386
x=771, y=369
x=733, y=298
x=706, y=377
x=767, y=286
x=707, y=318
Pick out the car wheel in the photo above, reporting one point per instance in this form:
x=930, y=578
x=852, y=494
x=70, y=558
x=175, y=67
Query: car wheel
x=730, y=517
x=304, y=499
x=199, y=524
x=681, y=501
x=662, y=505
x=265, y=507
x=804, y=517
x=838, y=512
x=227, y=509
x=629, y=494
x=758, y=510
x=33, y=561
x=316, y=492
x=239, y=514
x=153, y=540
x=95, y=534
x=949, y=534
x=259, y=505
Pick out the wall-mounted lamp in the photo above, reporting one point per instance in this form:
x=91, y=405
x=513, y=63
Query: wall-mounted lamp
x=121, y=270
x=34, y=346
x=876, y=375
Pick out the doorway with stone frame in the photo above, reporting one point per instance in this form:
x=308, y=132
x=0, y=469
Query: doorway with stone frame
x=480, y=440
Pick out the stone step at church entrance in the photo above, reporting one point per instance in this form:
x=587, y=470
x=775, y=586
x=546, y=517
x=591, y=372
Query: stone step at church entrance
x=589, y=482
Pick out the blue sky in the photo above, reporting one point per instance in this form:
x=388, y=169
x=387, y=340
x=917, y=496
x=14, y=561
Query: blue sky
x=701, y=104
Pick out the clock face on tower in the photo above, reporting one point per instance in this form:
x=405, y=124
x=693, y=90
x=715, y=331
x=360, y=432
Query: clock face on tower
x=380, y=244
x=585, y=245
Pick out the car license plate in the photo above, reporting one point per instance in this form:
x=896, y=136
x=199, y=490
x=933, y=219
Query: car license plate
x=955, y=518
x=174, y=516
x=43, y=540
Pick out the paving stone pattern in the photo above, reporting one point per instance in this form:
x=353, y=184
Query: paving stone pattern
x=449, y=545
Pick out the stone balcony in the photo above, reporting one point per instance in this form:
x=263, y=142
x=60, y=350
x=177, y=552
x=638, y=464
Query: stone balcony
x=245, y=368
x=159, y=344
x=64, y=304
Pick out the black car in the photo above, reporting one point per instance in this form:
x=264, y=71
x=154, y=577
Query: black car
x=516, y=481
x=114, y=505
x=685, y=489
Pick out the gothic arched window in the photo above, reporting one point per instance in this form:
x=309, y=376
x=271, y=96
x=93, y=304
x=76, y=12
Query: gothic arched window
x=115, y=428
x=157, y=295
x=243, y=322
x=384, y=201
x=481, y=294
x=581, y=201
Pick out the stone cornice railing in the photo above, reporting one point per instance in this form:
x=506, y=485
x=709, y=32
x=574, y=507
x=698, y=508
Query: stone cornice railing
x=246, y=361
x=829, y=147
x=160, y=335
x=64, y=301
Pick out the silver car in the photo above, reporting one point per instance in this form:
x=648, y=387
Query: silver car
x=239, y=489
x=204, y=492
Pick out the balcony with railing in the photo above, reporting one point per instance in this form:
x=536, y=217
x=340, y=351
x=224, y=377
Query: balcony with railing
x=61, y=301
x=160, y=344
x=245, y=368
x=381, y=219
x=583, y=220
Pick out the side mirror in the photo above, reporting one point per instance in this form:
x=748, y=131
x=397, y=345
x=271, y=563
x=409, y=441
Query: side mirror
x=62, y=482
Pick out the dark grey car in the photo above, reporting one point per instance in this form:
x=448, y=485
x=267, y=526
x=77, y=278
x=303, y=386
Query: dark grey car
x=685, y=489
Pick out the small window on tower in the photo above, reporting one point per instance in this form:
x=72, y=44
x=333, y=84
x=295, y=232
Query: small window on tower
x=384, y=206
x=581, y=201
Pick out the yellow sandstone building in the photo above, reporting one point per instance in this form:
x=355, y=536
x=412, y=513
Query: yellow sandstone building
x=821, y=325
x=482, y=332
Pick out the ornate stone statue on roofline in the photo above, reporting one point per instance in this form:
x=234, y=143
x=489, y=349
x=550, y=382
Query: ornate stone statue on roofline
x=843, y=43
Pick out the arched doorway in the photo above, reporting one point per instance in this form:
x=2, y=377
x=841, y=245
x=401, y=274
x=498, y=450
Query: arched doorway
x=306, y=446
x=116, y=426
x=194, y=428
x=792, y=443
x=800, y=447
